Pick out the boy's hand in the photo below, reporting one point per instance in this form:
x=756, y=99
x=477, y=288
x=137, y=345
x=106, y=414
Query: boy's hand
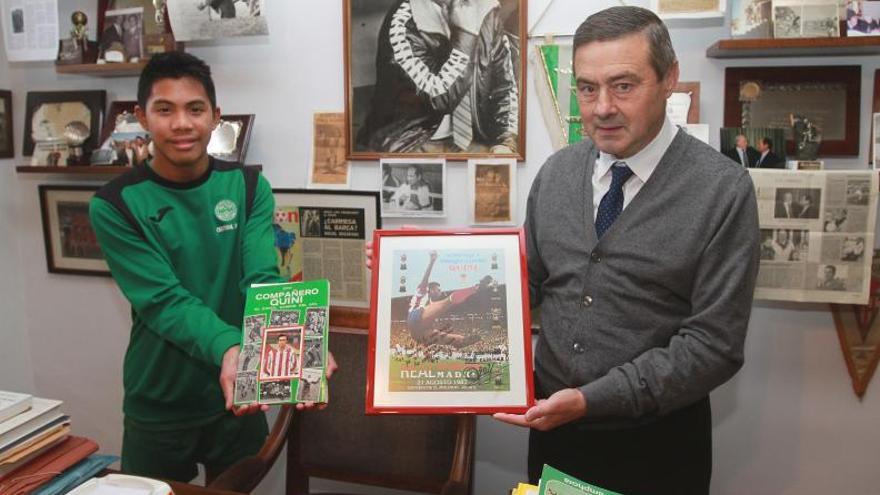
x=228, y=367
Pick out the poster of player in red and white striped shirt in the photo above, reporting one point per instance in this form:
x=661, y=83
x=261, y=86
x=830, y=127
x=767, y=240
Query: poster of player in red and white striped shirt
x=282, y=353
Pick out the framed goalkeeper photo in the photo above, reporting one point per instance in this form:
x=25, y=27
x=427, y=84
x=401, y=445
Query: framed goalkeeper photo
x=449, y=323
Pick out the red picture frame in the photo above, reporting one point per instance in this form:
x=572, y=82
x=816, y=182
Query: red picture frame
x=450, y=328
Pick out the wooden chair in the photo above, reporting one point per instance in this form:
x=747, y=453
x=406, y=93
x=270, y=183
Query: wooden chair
x=246, y=474
x=432, y=454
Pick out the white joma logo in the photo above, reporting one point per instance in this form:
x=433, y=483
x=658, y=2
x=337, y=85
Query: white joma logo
x=224, y=228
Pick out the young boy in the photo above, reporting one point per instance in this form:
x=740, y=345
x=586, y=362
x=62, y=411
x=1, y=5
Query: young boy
x=185, y=235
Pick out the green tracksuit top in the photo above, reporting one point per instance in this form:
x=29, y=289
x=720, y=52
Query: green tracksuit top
x=184, y=255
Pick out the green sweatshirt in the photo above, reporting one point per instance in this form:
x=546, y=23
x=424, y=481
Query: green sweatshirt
x=184, y=255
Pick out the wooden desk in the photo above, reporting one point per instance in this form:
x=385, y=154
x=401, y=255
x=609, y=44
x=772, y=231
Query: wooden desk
x=187, y=489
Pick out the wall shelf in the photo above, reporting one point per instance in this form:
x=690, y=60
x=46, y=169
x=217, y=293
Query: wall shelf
x=103, y=70
x=77, y=170
x=794, y=47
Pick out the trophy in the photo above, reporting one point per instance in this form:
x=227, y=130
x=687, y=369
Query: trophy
x=77, y=49
x=76, y=133
x=161, y=40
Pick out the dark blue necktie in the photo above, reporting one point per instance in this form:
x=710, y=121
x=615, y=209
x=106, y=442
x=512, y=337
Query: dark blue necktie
x=612, y=203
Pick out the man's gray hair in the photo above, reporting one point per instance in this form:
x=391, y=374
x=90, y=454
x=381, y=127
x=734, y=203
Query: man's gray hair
x=617, y=22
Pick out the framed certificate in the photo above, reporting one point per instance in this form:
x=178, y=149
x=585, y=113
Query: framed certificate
x=449, y=323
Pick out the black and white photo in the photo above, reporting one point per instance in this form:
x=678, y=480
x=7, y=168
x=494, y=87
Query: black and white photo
x=277, y=391
x=214, y=19
x=310, y=386
x=246, y=387
x=316, y=320
x=283, y=318
x=797, y=203
x=313, y=353
x=123, y=37
x=492, y=191
x=415, y=86
x=414, y=187
x=254, y=326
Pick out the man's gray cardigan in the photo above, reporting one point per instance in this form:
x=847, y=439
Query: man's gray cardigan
x=652, y=317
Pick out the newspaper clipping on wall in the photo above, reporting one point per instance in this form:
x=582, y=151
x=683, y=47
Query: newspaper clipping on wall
x=817, y=233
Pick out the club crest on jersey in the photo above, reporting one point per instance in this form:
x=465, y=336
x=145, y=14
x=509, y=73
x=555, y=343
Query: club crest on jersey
x=225, y=210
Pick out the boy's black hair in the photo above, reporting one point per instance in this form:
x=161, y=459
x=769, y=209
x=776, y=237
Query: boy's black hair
x=175, y=65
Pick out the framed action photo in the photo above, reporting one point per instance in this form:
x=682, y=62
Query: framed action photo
x=492, y=191
x=231, y=138
x=54, y=115
x=71, y=246
x=449, y=323
x=414, y=89
x=413, y=187
x=826, y=96
x=321, y=234
x=7, y=148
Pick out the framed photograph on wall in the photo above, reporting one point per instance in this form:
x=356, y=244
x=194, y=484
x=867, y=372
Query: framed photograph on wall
x=231, y=137
x=828, y=96
x=7, y=147
x=688, y=9
x=71, y=246
x=449, y=323
x=413, y=187
x=492, y=191
x=321, y=234
x=49, y=113
x=410, y=91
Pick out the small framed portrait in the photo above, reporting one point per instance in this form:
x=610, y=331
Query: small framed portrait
x=123, y=140
x=122, y=39
x=231, y=137
x=492, y=191
x=321, y=234
x=413, y=187
x=412, y=90
x=71, y=246
x=281, y=354
x=73, y=117
x=329, y=169
x=7, y=148
x=449, y=329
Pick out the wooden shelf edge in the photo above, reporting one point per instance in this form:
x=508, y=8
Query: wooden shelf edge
x=786, y=47
x=102, y=70
x=97, y=170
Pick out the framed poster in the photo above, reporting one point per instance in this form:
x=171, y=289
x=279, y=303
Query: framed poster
x=7, y=147
x=492, y=191
x=321, y=234
x=828, y=96
x=71, y=246
x=48, y=114
x=410, y=91
x=449, y=323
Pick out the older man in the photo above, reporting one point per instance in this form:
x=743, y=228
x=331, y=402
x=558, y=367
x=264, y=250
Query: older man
x=445, y=80
x=643, y=248
x=742, y=153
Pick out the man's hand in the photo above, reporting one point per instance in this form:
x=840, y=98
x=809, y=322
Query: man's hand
x=331, y=367
x=227, y=383
x=468, y=15
x=560, y=408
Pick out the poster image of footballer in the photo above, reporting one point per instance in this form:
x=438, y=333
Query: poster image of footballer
x=448, y=322
x=282, y=353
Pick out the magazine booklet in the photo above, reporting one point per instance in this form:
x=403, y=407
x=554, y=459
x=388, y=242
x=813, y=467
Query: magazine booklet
x=284, y=347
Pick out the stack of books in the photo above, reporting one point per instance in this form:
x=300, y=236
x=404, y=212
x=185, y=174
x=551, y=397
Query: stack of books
x=555, y=482
x=37, y=451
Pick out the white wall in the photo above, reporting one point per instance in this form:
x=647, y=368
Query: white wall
x=787, y=423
